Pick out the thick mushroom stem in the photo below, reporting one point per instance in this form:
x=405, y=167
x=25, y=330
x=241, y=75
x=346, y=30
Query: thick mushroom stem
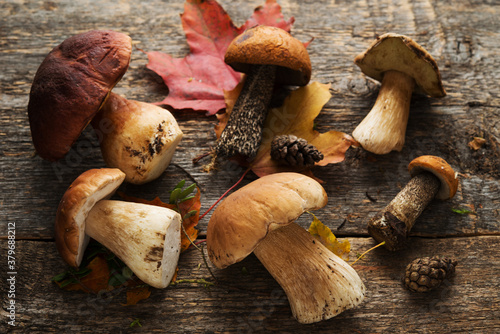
x=384, y=128
x=138, y=138
x=145, y=237
x=395, y=221
x=243, y=132
x=319, y=284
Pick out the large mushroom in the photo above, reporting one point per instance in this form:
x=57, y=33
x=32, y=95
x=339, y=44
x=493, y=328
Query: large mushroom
x=268, y=56
x=259, y=218
x=402, y=66
x=73, y=84
x=146, y=238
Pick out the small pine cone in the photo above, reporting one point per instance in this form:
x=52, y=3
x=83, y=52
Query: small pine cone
x=293, y=151
x=427, y=273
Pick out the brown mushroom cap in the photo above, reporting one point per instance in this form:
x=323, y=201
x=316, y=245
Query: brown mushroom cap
x=70, y=86
x=398, y=52
x=264, y=45
x=441, y=169
x=244, y=218
x=88, y=189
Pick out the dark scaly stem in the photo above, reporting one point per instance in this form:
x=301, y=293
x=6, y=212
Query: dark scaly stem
x=243, y=132
x=395, y=221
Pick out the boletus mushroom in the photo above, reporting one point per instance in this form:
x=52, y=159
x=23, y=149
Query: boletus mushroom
x=259, y=218
x=73, y=84
x=402, y=66
x=432, y=178
x=268, y=56
x=137, y=137
x=146, y=238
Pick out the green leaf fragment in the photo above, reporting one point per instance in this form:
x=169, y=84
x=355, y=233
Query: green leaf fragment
x=189, y=214
x=187, y=191
x=186, y=199
x=59, y=277
x=180, y=184
x=136, y=322
x=116, y=280
x=127, y=273
x=68, y=282
x=83, y=272
x=461, y=211
x=174, y=196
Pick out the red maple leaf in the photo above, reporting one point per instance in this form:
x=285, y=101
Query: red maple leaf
x=198, y=80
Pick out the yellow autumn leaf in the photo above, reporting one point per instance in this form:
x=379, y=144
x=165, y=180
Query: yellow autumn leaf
x=321, y=232
x=296, y=117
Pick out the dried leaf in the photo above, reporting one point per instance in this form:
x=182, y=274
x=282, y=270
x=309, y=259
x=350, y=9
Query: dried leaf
x=296, y=116
x=321, y=232
x=94, y=282
x=269, y=15
x=137, y=294
x=198, y=80
x=476, y=143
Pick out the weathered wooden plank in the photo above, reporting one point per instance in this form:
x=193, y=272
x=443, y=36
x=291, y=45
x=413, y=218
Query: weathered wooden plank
x=251, y=301
x=463, y=37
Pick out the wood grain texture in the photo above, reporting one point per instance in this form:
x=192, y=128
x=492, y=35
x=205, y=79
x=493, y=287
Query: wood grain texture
x=249, y=300
x=463, y=38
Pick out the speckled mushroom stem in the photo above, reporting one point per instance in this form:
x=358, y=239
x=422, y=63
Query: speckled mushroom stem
x=395, y=221
x=243, y=132
x=319, y=285
x=146, y=239
x=384, y=128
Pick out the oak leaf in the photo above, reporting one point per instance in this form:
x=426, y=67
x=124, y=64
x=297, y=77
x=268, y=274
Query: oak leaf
x=296, y=116
x=198, y=80
x=323, y=233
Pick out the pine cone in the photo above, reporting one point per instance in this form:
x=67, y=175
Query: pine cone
x=427, y=273
x=294, y=151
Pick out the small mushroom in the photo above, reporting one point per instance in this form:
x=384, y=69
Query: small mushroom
x=259, y=218
x=402, y=66
x=146, y=238
x=432, y=178
x=268, y=56
x=73, y=84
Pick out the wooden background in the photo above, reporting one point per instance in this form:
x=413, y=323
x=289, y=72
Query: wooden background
x=463, y=36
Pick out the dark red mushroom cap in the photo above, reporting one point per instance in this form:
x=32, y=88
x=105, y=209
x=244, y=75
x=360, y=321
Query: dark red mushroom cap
x=70, y=86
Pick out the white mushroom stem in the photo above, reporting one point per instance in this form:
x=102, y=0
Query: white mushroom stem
x=138, y=138
x=384, y=128
x=319, y=284
x=145, y=237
